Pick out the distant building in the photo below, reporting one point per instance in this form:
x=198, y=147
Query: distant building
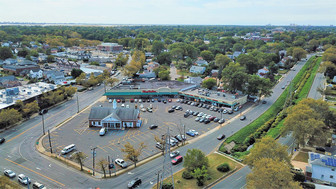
x=321, y=168
x=55, y=77
x=201, y=62
x=114, y=117
x=194, y=80
x=37, y=73
x=17, y=69
x=151, y=66
x=110, y=47
x=197, y=69
x=234, y=55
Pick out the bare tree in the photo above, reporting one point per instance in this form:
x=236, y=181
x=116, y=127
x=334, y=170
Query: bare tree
x=132, y=153
x=162, y=140
x=103, y=163
x=79, y=158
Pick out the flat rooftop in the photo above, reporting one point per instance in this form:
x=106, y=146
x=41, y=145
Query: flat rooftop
x=154, y=85
x=23, y=93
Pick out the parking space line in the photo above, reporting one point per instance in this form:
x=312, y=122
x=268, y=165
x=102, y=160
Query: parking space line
x=131, y=139
x=148, y=154
x=110, y=148
x=101, y=148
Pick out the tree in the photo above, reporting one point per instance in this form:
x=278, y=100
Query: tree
x=299, y=53
x=81, y=79
x=9, y=117
x=132, y=153
x=121, y=59
x=164, y=58
x=271, y=173
x=138, y=59
x=111, y=81
x=249, y=62
x=306, y=125
x=201, y=174
x=157, y=47
x=23, y=53
x=103, y=163
x=76, y=72
x=207, y=55
x=30, y=108
x=176, y=53
x=70, y=91
x=234, y=77
x=328, y=68
x=194, y=159
x=222, y=61
x=5, y=53
x=237, y=47
x=267, y=147
x=92, y=81
x=79, y=157
x=209, y=83
x=50, y=58
x=164, y=75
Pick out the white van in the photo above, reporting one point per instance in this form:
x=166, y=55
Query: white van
x=102, y=131
x=68, y=149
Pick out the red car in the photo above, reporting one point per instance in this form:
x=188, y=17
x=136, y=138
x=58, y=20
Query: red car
x=132, y=100
x=118, y=100
x=177, y=160
x=212, y=118
x=169, y=100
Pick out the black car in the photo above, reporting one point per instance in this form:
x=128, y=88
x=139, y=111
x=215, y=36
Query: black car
x=186, y=102
x=321, y=149
x=264, y=102
x=243, y=117
x=134, y=183
x=206, y=121
x=171, y=110
x=153, y=127
x=2, y=140
x=220, y=137
x=216, y=119
x=159, y=100
x=44, y=111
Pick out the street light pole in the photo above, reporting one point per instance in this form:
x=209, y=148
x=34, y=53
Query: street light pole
x=77, y=103
x=93, y=159
x=49, y=141
x=43, y=122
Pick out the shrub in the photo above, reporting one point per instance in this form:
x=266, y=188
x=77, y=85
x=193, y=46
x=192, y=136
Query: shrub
x=167, y=186
x=187, y=175
x=307, y=185
x=223, y=167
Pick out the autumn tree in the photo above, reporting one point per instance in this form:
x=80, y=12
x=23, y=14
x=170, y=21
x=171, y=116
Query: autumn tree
x=271, y=173
x=9, y=117
x=138, y=59
x=162, y=140
x=267, y=147
x=194, y=159
x=79, y=157
x=306, y=125
x=30, y=108
x=81, y=79
x=111, y=81
x=132, y=153
x=328, y=68
x=121, y=59
x=209, y=83
x=70, y=91
x=102, y=163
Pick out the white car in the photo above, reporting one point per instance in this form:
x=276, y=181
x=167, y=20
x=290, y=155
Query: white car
x=135, y=100
x=23, y=179
x=9, y=173
x=102, y=131
x=193, y=131
x=121, y=163
x=110, y=100
x=178, y=100
x=140, y=100
x=174, y=154
x=123, y=105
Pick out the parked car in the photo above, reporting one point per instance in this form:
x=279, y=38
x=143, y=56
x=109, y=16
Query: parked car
x=171, y=110
x=159, y=100
x=134, y=183
x=211, y=118
x=173, y=107
x=132, y=100
x=221, y=121
x=186, y=115
x=192, y=133
x=102, y=131
x=197, y=119
x=221, y=136
x=148, y=100
x=135, y=100
x=153, y=100
x=243, y=117
x=169, y=100
x=321, y=149
x=121, y=163
x=225, y=111
x=178, y=100
x=180, y=137
x=216, y=119
x=118, y=100
x=195, y=113
x=37, y=185
x=174, y=154
x=140, y=100
x=143, y=109
x=164, y=101
x=264, y=102
x=153, y=127
x=2, y=140
x=201, y=119
x=149, y=110
x=9, y=173
x=23, y=179
x=206, y=121
x=230, y=112
x=44, y=111
x=159, y=145
x=177, y=160
x=110, y=100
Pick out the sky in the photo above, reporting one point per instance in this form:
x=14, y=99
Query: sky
x=189, y=12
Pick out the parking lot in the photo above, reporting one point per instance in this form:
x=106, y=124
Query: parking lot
x=76, y=131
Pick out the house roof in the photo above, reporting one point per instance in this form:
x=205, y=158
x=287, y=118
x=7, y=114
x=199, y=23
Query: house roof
x=8, y=78
x=321, y=160
x=197, y=69
x=119, y=113
x=201, y=62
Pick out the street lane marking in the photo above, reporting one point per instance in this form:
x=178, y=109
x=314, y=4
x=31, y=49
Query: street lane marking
x=35, y=172
x=101, y=148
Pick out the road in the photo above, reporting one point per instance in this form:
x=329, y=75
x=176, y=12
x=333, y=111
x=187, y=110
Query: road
x=19, y=153
x=318, y=83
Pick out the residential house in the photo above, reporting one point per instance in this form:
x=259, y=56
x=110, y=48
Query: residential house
x=9, y=81
x=36, y=73
x=214, y=73
x=262, y=72
x=284, y=61
x=201, y=62
x=64, y=64
x=114, y=117
x=17, y=69
x=151, y=66
x=234, y=55
x=194, y=80
x=10, y=61
x=197, y=69
x=321, y=168
x=53, y=76
x=334, y=79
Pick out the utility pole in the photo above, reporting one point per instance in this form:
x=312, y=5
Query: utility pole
x=77, y=103
x=108, y=157
x=158, y=180
x=49, y=141
x=93, y=159
x=43, y=121
x=184, y=135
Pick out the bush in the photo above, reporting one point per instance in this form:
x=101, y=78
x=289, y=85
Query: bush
x=307, y=185
x=223, y=167
x=187, y=175
x=167, y=186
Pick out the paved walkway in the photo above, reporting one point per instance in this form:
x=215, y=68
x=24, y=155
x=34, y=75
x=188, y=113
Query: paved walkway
x=173, y=72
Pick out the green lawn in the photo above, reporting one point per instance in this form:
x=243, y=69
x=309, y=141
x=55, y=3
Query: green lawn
x=214, y=161
x=302, y=156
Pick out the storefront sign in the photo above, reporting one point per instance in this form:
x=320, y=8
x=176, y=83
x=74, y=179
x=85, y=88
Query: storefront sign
x=149, y=91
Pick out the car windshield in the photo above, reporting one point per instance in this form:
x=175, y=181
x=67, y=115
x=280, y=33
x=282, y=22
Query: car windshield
x=9, y=172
